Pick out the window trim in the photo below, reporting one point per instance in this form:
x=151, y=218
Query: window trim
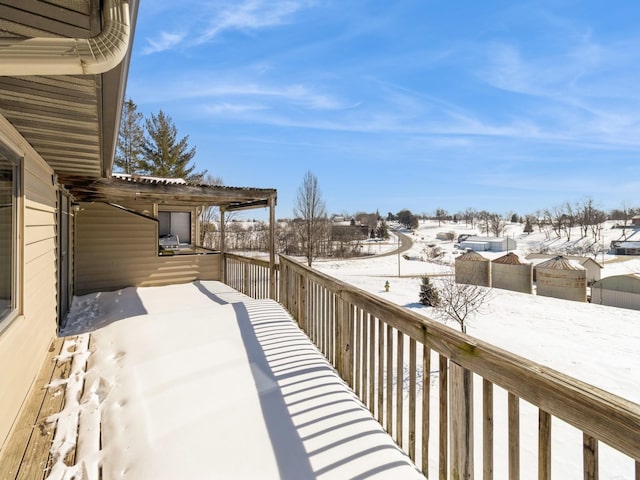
x=17, y=161
x=178, y=209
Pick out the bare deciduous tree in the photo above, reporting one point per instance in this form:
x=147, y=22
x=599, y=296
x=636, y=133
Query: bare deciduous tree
x=459, y=300
x=310, y=208
x=208, y=215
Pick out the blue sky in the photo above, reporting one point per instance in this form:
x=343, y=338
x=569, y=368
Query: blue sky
x=501, y=106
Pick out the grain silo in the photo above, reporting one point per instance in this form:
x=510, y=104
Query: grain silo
x=473, y=269
x=560, y=277
x=510, y=273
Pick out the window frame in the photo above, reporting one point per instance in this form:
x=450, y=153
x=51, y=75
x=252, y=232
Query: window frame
x=17, y=162
x=179, y=210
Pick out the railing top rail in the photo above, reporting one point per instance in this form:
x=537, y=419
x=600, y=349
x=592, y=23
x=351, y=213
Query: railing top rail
x=598, y=413
x=253, y=261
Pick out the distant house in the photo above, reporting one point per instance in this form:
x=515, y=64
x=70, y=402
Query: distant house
x=635, y=221
x=446, y=235
x=622, y=247
x=347, y=233
x=617, y=291
x=488, y=244
x=593, y=267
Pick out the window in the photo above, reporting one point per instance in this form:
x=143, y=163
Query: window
x=176, y=227
x=8, y=234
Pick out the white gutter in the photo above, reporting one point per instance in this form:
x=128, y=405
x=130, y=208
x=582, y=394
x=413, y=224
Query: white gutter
x=70, y=56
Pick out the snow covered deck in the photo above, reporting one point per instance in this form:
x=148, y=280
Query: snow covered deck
x=200, y=381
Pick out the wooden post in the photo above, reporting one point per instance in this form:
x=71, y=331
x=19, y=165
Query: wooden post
x=461, y=423
x=302, y=303
x=544, y=445
x=487, y=430
x=223, y=266
x=514, y=436
x=443, y=454
x=344, y=357
x=590, y=457
x=272, y=248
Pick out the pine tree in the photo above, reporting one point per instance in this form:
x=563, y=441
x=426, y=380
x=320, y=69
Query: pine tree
x=428, y=293
x=383, y=230
x=528, y=228
x=163, y=154
x=130, y=138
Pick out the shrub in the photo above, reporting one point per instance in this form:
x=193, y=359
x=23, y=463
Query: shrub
x=428, y=293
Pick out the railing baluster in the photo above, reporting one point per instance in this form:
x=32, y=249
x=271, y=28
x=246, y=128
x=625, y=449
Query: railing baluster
x=426, y=407
x=487, y=430
x=461, y=422
x=372, y=363
x=389, y=388
x=357, y=351
x=412, y=399
x=590, y=457
x=443, y=419
x=380, y=384
x=514, y=437
x=399, y=388
x=544, y=445
x=365, y=358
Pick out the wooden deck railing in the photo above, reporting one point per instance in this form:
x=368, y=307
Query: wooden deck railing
x=250, y=276
x=384, y=352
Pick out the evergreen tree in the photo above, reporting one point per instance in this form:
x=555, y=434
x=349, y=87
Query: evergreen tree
x=383, y=230
x=528, y=228
x=428, y=293
x=163, y=154
x=130, y=138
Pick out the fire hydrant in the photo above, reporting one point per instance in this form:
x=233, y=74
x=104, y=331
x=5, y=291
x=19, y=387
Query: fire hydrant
x=386, y=286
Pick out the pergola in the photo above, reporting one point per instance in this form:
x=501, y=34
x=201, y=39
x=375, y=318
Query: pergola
x=124, y=189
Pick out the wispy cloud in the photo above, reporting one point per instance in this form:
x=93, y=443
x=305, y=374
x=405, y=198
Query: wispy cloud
x=214, y=20
x=164, y=41
x=251, y=15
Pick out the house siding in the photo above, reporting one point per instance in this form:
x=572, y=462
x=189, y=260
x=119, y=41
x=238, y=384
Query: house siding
x=25, y=340
x=116, y=249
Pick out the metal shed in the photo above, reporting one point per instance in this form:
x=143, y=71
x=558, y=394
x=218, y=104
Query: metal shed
x=560, y=277
x=472, y=268
x=489, y=244
x=618, y=291
x=510, y=273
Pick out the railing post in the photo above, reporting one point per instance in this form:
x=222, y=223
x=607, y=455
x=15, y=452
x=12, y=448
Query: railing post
x=272, y=248
x=223, y=263
x=284, y=278
x=344, y=352
x=245, y=283
x=461, y=422
x=302, y=303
